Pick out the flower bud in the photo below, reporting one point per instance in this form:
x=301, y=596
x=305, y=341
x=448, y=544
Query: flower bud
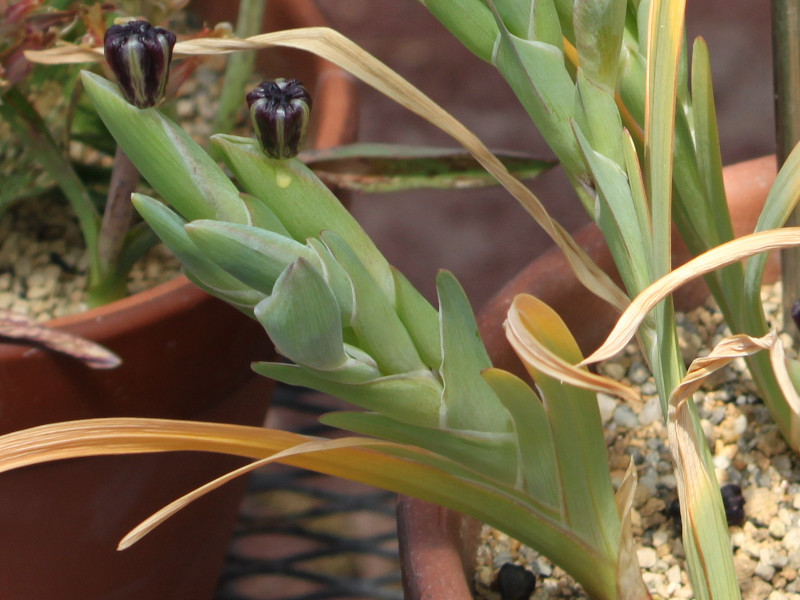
x=279, y=111
x=139, y=54
x=795, y=313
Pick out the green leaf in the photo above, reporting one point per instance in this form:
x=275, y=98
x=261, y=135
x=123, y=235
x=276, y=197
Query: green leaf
x=300, y=201
x=302, y=319
x=535, y=446
x=420, y=319
x=261, y=215
x=388, y=167
x=577, y=432
x=468, y=402
x=493, y=454
x=622, y=221
x=254, y=256
x=599, y=25
x=174, y=164
x=411, y=398
x=539, y=78
x=170, y=228
x=375, y=322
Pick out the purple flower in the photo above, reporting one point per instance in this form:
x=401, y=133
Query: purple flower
x=139, y=54
x=279, y=111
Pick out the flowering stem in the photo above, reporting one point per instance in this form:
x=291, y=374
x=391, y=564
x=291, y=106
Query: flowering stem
x=116, y=222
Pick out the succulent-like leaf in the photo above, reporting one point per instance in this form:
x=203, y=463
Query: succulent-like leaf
x=538, y=470
x=174, y=164
x=254, y=256
x=492, y=454
x=300, y=201
x=411, y=398
x=302, y=318
x=420, y=319
x=170, y=228
x=375, y=322
x=574, y=418
x=468, y=402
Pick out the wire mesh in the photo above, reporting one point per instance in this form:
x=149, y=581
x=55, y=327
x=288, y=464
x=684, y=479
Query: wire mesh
x=305, y=536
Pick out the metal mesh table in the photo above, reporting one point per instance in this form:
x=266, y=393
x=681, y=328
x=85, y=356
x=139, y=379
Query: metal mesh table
x=305, y=536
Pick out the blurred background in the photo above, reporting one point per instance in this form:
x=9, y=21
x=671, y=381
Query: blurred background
x=483, y=236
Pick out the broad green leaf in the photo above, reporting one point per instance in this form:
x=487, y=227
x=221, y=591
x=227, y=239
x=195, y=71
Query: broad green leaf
x=546, y=26
x=261, y=215
x=470, y=21
x=411, y=398
x=577, y=431
x=375, y=322
x=538, y=76
x=706, y=136
x=597, y=115
x=337, y=278
x=174, y=164
x=387, y=167
x=620, y=218
x=254, y=256
x=535, y=447
x=598, y=36
x=516, y=16
x=170, y=228
x=300, y=201
x=420, y=319
x=302, y=319
x=468, y=402
x=493, y=454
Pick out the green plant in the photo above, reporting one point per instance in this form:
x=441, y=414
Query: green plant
x=630, y=115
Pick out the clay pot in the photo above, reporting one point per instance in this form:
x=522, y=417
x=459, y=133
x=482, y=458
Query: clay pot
x=185, y=355
x=437, y=545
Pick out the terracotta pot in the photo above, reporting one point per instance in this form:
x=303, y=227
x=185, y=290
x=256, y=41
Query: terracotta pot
x=186, y=355
x=437, y=545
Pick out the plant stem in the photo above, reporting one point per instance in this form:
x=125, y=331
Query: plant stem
x=240, y=65
x=786, y=69
x=116, y=222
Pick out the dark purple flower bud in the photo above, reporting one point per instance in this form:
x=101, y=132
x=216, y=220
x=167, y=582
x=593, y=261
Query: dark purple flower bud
x=279, y=110
x=796, y=313
x=139, y=54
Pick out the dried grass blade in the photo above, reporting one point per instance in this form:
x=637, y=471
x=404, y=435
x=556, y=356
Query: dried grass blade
x=335, y=47
x=536, y=354
x=703, y=520
x=630, y=585
x=725, y=254
x=157, y=518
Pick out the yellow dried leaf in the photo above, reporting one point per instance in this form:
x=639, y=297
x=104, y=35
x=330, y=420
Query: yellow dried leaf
x=722, y=255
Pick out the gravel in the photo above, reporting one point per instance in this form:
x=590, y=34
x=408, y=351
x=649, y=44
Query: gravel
x=748, y=450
